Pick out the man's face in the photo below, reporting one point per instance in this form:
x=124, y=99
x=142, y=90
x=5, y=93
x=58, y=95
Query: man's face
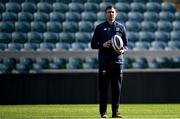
x=111, y=14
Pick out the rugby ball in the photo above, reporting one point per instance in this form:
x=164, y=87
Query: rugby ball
x=117, y=42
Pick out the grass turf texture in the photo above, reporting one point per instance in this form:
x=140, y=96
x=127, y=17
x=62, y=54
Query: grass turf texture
x=80, y=111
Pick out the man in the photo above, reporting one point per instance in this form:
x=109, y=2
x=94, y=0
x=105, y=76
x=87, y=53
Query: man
x=110, y=61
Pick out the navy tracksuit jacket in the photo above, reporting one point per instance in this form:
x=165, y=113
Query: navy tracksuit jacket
x=110, y=63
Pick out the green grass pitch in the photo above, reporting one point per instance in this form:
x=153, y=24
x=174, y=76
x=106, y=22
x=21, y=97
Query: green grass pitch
x=81, y=111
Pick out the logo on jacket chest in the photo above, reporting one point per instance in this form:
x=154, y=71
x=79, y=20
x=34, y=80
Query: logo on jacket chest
x=118, y=31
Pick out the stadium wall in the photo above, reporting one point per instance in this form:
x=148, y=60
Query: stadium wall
x=161, y=86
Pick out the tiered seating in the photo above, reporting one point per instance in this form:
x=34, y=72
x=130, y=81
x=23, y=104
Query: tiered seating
x=67, y=25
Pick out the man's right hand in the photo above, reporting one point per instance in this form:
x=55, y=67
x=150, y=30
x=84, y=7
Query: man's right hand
x=107, y=44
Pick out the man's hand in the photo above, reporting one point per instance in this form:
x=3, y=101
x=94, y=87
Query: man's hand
x=120, y=52
x=107, y=44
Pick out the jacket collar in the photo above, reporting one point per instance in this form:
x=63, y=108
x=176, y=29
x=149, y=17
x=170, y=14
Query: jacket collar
x=111, y=24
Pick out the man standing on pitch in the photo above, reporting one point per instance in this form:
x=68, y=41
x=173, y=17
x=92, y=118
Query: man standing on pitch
x=110, y=61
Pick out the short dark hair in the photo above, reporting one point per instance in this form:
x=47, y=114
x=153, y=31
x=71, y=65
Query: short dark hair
x=109, y=7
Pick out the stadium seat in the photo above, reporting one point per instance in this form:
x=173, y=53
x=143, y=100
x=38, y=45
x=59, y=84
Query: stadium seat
x=153, y=65
x=127, y=63
x=87, y=66
x=131, y=45
x=85, y=26
x=122, y=17
x=30, y=47
x=36, y=67
x=64, y=1
x=76, y=7
x=58, y=63
x=74, y=63
x=53, y=66
x=51, y=37
x=158, y=45
x=67, y=37
x=22, y=26
x=8, y=64
x=41, y=16
x=80, y=1
x=176, y=25
x=62, y=47
x=60, y=7
x=146, y=36
x=122, y=7
x=9, y=16
x=95, y=1
x=70, y=26
x=46, y=46
x=13, y=7
x=53, y=26
x=168, y=6
x=57, y=16
x=35, y=37
x=133, y=26
x=165, y=26
x=2, y=8
x=175, y=35
x=25, y=16
x=38, y=26
x=20, y=69
x=77, y=46
x=9, y=61
x=177, y=15
x=141, y=45
x=5, y=37
x=166, y=16
x=171, y=48
x=27, y=61
x=162, y=36
x=90, y=63
x=14, y=47
x=84, y=37
x=88, y=16
x=97, y=23
x=133, y=36
x=72, y=16
x=91, y=60
x=176, y=62
x=173, y=45
x=148, y=26
x=151, y=16
x=153, y=7
x=20, y=1
x=103, y=5
x=19, y=37
x=4, y=69
x=88, y=47
x=44, y=7
x=138, y=1
x=29, y=7
x=163, y=62
x=137, y=7
x=135, y=16
x=101, y=16
x=6, y=27
x=41, y=63
x=158, y=1
x=3, y=46
x=91, y=7
x=139, y=63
